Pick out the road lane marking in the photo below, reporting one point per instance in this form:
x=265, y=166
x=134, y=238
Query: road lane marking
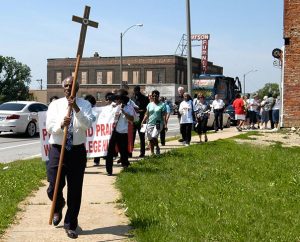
x=10, y=147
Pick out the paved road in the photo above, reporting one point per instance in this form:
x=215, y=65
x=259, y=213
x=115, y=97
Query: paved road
x=15, y=147
x=18, y=147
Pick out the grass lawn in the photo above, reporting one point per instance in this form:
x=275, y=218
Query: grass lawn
x=17, y=180
x=217, y=191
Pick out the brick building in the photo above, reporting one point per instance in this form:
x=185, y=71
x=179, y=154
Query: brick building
x=99, y=75
x=291, y=64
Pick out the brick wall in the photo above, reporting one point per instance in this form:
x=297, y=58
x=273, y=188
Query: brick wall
x=291, y=89
x=164, y=70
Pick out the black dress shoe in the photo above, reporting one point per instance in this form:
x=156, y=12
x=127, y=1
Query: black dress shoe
x=71, y=234
x=58, y=216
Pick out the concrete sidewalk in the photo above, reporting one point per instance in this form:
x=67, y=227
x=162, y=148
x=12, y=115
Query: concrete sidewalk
x=100, y=218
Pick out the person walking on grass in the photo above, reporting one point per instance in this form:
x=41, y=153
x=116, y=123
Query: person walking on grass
x=239, y=109
x=155, y=117
x=186, y=119
x=75, y=159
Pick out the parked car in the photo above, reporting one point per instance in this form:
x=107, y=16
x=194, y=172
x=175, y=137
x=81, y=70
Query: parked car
x=20, y=117
x=226, y=120
x=230, y=110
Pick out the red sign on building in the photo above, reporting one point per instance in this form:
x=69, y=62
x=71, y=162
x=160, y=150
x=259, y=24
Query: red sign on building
x=204, y=55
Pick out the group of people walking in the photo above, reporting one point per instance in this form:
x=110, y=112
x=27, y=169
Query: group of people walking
x=147, y=116
x=129, y=116
x=253, y=113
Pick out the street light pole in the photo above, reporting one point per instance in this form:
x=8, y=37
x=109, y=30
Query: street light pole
x=121, y=60
x=244, y=79
x=121, y=51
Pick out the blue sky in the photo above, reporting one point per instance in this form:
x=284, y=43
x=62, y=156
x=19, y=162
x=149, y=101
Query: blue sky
x=242, y=33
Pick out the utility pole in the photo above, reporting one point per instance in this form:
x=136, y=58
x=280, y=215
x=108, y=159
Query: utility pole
x=189, y=50
x=41, y=83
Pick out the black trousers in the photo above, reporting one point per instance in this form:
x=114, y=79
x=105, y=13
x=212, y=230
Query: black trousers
x=271, y=119
x=136, y=128
x=186, y=132
x=122, y=141
x=252, y=116
x=163, y=136
x=72, y=171
x=202, y=125
x=218, y=122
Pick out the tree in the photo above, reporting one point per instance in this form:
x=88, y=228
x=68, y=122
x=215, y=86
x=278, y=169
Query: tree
x=269, y=88
x=14, y=80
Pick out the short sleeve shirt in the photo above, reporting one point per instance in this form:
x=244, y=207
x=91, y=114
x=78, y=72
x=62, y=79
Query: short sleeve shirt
x=239, y=106
x=156, y=112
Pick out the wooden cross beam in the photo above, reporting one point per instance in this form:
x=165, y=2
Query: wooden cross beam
x=85, y=22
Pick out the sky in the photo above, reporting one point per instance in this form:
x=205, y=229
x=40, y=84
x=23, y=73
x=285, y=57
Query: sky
x=242, y=33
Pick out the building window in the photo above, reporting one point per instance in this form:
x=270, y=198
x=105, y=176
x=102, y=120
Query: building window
x=99, y=77
x=149, y=77
x=182, y=77
x=109, y=77
x=125, y=76
x=159, y=76
x=84, y=77
x=135, y=77
x=98, y=96
x=178, y=77
x=58, y=77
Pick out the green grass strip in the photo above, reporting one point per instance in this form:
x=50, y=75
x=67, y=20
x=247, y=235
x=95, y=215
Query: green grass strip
x=17, y=180
x=217, y=191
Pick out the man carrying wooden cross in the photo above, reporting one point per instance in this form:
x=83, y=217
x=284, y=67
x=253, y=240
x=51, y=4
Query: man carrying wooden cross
x=67, y=121
x=74, y=161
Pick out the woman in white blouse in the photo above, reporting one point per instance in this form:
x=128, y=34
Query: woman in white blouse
x=186, y=119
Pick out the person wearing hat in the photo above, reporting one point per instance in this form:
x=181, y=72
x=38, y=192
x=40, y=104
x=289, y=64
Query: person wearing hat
x=75, y=157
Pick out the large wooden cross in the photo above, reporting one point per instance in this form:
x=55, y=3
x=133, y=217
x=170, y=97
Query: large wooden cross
x=85, y=22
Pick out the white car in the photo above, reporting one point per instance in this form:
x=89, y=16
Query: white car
x=20, y=117
x=226, y=120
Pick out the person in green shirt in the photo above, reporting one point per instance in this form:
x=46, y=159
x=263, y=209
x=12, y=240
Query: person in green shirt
x=155, y=117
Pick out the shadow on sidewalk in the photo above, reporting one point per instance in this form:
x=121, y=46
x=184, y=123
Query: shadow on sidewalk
x=119, y=230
